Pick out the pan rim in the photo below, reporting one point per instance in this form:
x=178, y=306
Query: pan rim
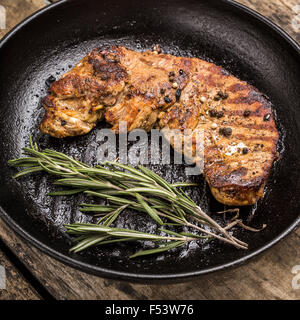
x=143, y=278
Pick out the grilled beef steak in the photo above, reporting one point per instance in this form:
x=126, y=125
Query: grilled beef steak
x=150, y=90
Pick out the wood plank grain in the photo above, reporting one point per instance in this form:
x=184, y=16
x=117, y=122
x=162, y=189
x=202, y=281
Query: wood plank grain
x=17, y=10
x=267, y=277
x=278, y=11
x=17, y=288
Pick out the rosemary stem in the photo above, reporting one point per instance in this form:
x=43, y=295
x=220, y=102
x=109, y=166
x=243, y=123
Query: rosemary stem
x=231, y=241
x=201, y=213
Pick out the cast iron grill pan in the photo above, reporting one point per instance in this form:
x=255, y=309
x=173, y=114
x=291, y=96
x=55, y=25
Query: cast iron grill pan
x=54, y=39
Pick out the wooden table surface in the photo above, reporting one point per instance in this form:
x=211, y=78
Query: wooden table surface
x=33, y=275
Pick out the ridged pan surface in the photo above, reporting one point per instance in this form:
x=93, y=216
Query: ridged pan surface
x=53, y=40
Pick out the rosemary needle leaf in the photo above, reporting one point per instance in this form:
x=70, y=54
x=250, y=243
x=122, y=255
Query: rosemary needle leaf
x=157, y=192
x=80, y=228
x=170, y=232
x=105, y=217
x=27, y=171
x=77, y=182
x=115, y=240
x=130, y=169
x=111, y=198
x=113, y=216
x=66, y=192
x=184, y=184
x=133, y=234
x=98, y=208
x=88, y=242
x=163, y=248
x=23, y=162
x=151, y=211
x=156, y=178
x=192, y=235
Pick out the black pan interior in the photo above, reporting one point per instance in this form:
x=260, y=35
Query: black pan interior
x=55, y=39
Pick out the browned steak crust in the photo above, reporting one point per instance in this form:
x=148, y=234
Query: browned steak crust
x=158, y=90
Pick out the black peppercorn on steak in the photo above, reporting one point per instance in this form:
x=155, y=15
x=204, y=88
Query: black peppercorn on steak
x=150, y=90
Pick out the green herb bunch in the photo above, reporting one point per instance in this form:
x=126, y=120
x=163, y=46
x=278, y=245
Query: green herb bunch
x=125, y=187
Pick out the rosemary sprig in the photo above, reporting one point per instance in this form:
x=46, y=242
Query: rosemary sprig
x=89, y=234
x=124, y=187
